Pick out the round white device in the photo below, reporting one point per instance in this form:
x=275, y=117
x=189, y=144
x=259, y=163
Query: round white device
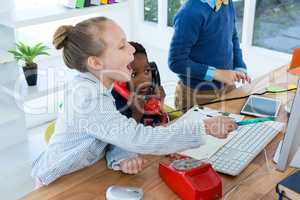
x=124, y=193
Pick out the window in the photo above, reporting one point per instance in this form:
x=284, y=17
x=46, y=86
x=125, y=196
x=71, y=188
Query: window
x=277, y=25
x=239, y=13
x=173, y=6
x=151, y=10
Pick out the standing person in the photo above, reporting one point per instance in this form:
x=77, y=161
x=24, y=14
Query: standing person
x=205, y=52
x=90, y=124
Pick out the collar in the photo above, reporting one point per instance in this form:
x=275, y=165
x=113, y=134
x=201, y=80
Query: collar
x=215, y=4
x=211, y=3
x=92, y=78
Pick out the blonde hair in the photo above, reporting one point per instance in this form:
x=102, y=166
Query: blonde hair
x=80, y=41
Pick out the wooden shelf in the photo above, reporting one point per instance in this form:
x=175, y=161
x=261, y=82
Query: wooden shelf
x=41, y=15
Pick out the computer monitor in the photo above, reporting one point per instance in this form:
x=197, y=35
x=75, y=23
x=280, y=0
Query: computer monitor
x=288, y=150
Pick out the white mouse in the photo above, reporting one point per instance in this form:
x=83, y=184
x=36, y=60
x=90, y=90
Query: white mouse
x=124, y=193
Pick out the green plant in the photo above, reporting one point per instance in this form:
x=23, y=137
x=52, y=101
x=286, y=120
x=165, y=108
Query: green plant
x=28, y=54
x=173, y=7
x=151, y=10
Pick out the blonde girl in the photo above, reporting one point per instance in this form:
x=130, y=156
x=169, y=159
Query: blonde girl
x=90, y=127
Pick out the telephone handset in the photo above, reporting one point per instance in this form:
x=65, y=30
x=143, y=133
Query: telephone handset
x=155, y=74
x=152, y=105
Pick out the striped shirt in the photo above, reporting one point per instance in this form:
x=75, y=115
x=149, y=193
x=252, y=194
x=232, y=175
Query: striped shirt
x=90, y=127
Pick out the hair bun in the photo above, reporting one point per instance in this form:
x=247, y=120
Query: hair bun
x=61, y=35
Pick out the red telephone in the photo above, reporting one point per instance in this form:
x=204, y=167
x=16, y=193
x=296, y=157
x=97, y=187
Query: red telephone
x=191, y=179
x=151, y=106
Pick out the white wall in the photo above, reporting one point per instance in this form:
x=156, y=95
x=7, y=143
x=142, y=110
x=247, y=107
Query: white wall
x=158, y=34
x=44, y=32
x=6, y=6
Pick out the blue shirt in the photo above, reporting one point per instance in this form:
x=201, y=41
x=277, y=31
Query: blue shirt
x=204, y=40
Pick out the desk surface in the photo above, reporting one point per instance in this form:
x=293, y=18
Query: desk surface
x=255, y=182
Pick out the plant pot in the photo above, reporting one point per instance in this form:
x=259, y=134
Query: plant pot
x=30, y=73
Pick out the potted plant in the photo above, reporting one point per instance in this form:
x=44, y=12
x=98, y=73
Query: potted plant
x=27, y=54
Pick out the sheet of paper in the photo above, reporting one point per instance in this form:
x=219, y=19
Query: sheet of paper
x=292, y=86
x=212, y=144
x=274, y=88
x=205, y=112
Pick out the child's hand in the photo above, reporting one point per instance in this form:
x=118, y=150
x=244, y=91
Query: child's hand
x=159, y=92
x=247, y=78
x=133, y=165
x=229, y=77
x=219, y=127
x=136, y=105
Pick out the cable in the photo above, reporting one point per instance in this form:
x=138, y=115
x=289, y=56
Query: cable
x=269, y=170
x=235, y=98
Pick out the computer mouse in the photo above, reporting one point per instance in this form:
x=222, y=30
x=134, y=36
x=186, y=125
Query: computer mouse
x=124, y=193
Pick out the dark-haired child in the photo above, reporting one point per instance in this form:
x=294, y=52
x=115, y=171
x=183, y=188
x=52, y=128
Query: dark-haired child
x=145, y=82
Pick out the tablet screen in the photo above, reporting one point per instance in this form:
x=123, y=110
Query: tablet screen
x=261, y=106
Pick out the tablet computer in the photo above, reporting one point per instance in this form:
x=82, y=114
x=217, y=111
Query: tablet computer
x=261, y=107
